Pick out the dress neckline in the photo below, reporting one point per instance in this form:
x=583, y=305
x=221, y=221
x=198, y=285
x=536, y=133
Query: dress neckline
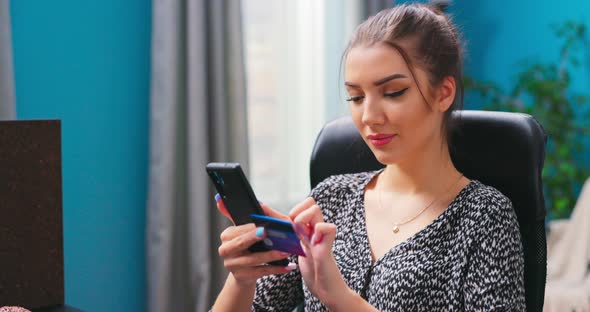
x=412, y=241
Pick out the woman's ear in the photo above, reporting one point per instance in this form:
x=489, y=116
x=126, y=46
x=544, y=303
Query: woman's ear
x=446, y=93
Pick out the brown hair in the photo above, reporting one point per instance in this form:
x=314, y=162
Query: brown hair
x=436, y=46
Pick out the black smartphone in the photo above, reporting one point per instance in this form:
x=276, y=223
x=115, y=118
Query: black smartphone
x=239, y=199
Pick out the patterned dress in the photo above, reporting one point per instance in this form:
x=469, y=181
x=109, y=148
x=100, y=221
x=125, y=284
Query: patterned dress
x=470, y=258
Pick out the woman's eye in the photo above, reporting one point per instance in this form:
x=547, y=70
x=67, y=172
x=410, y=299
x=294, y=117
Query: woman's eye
x=396, y=94
x=355, y=99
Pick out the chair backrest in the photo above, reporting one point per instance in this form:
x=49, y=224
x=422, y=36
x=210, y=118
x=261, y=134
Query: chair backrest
x=503, y=150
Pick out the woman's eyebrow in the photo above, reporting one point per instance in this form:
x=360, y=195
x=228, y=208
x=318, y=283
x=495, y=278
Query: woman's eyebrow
x=378, y=82
x=388, y=78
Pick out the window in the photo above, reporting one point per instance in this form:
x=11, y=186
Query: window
x=293, y=51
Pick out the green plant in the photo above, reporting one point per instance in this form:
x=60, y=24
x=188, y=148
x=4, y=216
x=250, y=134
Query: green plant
x=544, y=91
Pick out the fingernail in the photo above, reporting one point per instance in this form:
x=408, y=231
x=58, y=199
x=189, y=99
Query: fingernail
x=260, y=231
x=303, y=247
x=217, y=197
x=285, y=253
x=298, y=229
x=315, y=239
x=291, y=266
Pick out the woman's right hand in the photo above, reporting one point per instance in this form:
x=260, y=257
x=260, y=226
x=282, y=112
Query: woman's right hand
x=245, y=266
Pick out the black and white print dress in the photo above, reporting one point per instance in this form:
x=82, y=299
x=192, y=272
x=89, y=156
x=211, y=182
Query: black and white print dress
x=469, y=258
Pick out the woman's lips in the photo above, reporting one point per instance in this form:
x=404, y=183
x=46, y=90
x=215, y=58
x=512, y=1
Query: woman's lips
x=380, y=140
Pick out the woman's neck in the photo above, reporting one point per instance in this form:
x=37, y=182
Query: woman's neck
x=429, y=172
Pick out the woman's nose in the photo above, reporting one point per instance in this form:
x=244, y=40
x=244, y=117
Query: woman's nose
x=372, y=112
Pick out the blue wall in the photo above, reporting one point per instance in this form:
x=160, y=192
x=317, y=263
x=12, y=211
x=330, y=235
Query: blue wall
x=502, y=33
x=87, y=63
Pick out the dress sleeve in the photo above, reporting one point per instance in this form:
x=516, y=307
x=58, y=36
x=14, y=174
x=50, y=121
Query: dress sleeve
x=495, y=274
x=284, y=292
x=280, y=292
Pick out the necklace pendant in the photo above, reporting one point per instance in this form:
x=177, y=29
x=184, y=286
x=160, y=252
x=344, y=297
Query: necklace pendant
x=395, y=229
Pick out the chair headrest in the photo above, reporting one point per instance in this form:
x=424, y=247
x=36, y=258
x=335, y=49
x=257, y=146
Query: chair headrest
x=500, y=149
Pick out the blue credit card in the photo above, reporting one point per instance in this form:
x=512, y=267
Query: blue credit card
x=279, y=234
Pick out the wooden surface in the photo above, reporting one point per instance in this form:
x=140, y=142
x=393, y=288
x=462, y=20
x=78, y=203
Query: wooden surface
x=31, y=243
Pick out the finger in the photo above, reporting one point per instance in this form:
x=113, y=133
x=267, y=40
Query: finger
x=308, y=202
x=221, y=207
x=303, y=238
x=324, y=233
x=300, y=230
x=241, y=243
x=307, y=219
x=306, y=246
x=260, y=271
x=273, y=213
x=233, y=231
x=254, y=259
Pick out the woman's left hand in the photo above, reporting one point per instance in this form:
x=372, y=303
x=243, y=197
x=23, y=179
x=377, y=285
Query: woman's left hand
x=319, y=270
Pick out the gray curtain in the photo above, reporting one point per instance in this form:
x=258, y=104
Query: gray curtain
x=7, y=105
x=198, y=115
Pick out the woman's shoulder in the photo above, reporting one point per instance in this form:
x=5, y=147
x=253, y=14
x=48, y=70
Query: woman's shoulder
x=480, y=195
x=344, y=182
x=339, y=195
x=484, y=204
x=336, y=190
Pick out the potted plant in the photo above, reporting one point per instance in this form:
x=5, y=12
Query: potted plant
x=544, y=91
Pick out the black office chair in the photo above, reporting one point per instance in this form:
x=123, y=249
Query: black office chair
x=504, y=150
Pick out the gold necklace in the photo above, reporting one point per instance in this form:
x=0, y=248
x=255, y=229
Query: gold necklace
x=398, y=224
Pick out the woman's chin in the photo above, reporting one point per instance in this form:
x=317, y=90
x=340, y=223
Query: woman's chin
x=386, y=158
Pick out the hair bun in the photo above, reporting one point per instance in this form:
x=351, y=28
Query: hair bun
x=440, y=5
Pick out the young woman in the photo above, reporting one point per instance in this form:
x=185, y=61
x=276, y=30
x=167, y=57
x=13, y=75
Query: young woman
x=414, y=236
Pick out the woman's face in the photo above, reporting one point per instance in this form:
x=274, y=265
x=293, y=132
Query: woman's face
x=386, y=104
